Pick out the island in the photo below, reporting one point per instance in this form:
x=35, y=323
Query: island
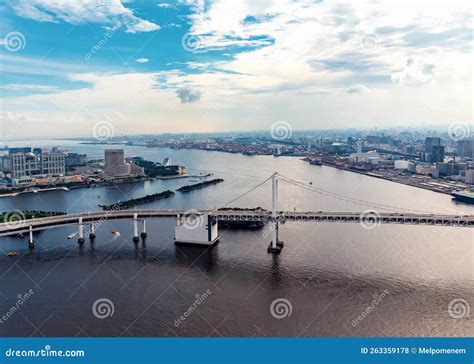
x=137, y=201
x=199, y=185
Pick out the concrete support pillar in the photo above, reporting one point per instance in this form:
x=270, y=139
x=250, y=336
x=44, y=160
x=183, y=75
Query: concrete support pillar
x=143, y=234
x=135, y=228
x=92, y=232
x=31, y=241
x=80, y=240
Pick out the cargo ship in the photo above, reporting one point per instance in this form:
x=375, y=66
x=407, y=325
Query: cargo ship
x=464, y=196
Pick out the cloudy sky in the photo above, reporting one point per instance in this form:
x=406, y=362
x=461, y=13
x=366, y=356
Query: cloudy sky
x=149, y=66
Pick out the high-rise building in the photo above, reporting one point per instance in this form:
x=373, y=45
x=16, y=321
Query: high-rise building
x=115, y=164
x=466, y=148
x=434, y=151
x=437, y=154
x=431, y=142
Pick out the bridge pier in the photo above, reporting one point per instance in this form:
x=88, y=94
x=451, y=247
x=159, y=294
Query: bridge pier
x=92, y=232
x=199, y=230
x=31, y=241
x=81, y=240
x=143, y=234
x=135, y=228
x=275, y=245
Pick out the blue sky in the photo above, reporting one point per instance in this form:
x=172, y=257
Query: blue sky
x=149, y=66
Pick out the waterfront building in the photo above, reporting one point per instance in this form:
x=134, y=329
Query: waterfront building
x=75, y=159
x=115, y=164
x=370, y=157
x=469, y=176
x=52, y=163
x=412, y=167
x=49, y=163
x=425, y=169
x=401, y=164
x=466, y=148
x=445, y=169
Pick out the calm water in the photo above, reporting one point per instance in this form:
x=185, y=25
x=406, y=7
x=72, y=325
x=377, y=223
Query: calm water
x=328, y=272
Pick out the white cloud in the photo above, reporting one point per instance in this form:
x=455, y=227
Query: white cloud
x=142, y=60
x=82, y=11
x=415, y=73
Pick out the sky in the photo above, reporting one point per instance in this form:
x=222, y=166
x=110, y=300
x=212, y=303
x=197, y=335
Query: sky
x=81, y=67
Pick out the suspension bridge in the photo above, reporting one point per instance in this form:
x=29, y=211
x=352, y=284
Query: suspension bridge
x=201, y=226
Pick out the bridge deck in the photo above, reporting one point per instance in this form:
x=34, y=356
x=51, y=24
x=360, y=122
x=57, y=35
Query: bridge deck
x=239, y=215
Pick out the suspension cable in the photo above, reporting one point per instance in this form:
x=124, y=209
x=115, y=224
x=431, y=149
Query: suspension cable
x=247, y=192
x=345, y=198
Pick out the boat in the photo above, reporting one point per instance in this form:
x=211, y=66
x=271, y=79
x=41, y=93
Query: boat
x=114, y=232
x=12, y=254
x=71, y=236
x=464, y=196
x=316, y=162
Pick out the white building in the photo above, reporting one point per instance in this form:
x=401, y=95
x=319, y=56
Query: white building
x=401, y=164
x=42, y=163
x=369, y=157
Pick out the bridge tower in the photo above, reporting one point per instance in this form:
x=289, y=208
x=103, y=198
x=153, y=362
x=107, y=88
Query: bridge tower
x=275, y=245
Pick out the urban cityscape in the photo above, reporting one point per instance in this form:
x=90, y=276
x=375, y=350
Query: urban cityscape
x=441, y=163
x=213, y=181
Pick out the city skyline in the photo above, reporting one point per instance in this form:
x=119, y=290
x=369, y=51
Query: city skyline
x=203, y=67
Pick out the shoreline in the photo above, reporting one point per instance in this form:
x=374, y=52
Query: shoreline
x=66, y=188
x=370, y=174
